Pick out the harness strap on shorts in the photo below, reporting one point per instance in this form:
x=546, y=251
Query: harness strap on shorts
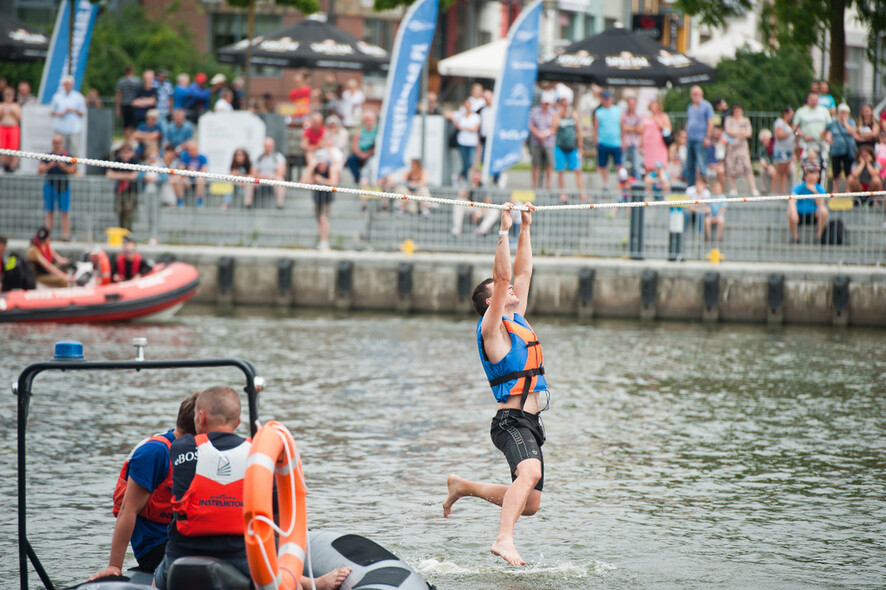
x=527, y=374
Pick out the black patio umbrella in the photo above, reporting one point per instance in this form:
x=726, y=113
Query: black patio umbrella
x=308, y=44
x=21, y=42
x=619, y=57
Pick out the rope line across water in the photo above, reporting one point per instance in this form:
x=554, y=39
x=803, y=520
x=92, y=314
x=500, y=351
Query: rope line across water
x=436, y=200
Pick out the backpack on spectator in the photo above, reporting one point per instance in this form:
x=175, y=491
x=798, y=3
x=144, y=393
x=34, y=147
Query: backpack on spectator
x=566, y=136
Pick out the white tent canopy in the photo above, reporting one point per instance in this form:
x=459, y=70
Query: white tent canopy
x=484, y=61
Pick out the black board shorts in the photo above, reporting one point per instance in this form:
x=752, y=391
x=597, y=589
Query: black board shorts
x=519, y=435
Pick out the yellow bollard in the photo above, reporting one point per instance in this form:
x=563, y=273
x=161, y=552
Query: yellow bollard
x=715, y=256
x=408, y=246
x=116, y=235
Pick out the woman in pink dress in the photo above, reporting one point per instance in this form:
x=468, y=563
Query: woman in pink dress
x=654, y=124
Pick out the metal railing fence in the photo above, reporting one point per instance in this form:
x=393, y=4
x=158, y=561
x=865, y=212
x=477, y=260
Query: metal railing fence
x=754, y=231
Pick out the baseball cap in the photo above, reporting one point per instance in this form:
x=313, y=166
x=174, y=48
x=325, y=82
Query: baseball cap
x=200, y=78
x=606, y=94
x=548, y=97
x=218, y=79
x=321, y=155
x=843, y=107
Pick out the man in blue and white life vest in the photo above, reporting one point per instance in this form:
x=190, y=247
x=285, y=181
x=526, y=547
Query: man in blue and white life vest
x=514, y=365
x=207, y=491
x=207, y=485
x=143, y=498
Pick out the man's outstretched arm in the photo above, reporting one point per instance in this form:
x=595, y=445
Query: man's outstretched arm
x=491, y=327
x=523, y=260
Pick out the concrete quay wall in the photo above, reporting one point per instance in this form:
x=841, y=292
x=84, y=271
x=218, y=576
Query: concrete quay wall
x=577, y=287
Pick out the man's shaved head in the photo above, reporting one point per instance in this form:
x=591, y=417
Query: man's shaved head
x=220, y=404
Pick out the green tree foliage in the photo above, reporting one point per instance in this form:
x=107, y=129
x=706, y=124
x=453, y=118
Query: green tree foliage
x=380, y=5
x=130, y=37
x=801, y=23
x=760, y=81
x=23, y=71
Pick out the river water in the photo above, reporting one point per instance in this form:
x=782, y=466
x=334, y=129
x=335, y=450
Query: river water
x=678, y=456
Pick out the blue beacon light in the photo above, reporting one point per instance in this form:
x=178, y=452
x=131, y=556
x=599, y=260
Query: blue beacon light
x=68, y=350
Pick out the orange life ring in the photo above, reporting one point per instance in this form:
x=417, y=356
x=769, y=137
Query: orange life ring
x=274, y=456
x=101, y=265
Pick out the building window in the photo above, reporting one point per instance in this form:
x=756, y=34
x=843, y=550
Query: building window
x=854, y=62
x=226, y=29
x=40, y=13
x=572, y=26
x=379, y=32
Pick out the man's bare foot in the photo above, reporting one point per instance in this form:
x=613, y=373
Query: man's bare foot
x=507, y=551
x=453, y=485
x=332, y=580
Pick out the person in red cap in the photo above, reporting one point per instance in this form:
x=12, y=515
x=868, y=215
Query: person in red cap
x=197, y=101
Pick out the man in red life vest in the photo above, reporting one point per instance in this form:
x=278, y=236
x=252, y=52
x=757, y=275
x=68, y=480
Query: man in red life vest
x=513, y=361
x=129, y=264
x=143, y=499
x=207, y=490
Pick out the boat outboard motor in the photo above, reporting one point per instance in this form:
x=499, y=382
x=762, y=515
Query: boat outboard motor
x=204, y=573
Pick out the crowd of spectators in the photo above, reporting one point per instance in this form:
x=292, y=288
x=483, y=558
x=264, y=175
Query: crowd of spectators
x=626, y=133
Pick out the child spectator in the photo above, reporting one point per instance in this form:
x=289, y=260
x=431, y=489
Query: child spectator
x=658, y=181
x=715, y=214
x=193, y=160
x=716, y=155
x=241, y=165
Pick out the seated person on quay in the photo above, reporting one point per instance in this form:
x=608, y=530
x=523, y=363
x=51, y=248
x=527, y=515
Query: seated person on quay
x=201, y=529
x=808, y=211
x=130, y=264
x=143, y=500
x=46, y=263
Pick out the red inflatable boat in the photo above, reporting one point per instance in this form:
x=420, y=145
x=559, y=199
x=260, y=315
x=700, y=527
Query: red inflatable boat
x=162, y=292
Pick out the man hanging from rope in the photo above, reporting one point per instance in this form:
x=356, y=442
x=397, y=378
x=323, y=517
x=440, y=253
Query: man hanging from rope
x=513, y=361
